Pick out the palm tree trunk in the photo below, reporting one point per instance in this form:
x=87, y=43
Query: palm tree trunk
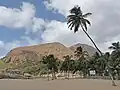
x=68, y=70
x=92, y=41
x=52, y=74
x=48, y=75
x=113, y=83
x=65, y=74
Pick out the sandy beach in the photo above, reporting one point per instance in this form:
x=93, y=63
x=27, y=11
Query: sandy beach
x=57, y=85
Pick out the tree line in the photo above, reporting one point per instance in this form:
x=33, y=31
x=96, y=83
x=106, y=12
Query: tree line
x=104, y=64
x=82, y=63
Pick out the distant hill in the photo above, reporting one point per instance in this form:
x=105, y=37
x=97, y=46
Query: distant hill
x=18, y=55
x=91, y=50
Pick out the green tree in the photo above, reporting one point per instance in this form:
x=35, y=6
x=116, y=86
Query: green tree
x=51, y=63
x=66, y=64
x=115, y=58
x=80, y=53
x=42, y=69
x=92, y=61
x=115, y=47
x=82, y=56
x=77, y=19
x=97, y=63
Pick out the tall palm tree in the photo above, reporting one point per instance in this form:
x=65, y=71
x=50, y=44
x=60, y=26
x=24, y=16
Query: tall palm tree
x=102, y=63
x=67, y=59
x=116, y=49
x=77, y=19
x=51, y=63
x=80, y=53
x=115, y=46
x=96, y=55
x=82, y=56
x=46, y=61
x=115, y=56
x=94, y=62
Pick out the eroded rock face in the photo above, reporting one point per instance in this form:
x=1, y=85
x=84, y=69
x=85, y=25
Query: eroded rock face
x=18, y=55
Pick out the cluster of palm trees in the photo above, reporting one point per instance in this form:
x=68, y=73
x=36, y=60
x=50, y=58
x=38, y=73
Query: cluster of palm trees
x=77, y=19
x=81, y=63
x=107, y=64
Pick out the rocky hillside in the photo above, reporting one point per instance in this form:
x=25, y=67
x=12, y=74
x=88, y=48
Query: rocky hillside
x=91, y=50
x=19, y=54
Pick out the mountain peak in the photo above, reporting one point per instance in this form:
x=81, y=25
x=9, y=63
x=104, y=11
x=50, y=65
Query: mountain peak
x=55, y=48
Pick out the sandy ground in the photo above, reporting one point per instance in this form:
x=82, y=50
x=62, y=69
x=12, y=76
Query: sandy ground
x=57, y=85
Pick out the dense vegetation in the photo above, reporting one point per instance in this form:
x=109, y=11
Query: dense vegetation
x=107, y=64
x=103, y=64
x=77, y=20
x=81, y=64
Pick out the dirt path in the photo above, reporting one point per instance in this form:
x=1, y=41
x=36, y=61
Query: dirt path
x=57, y=85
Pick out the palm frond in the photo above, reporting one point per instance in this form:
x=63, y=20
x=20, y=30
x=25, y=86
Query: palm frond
x=74, y=9
x=79, y=11
x=88, y=22
x=70, y=24
x=71, y=16
x=76, y=26
x=70, y=20
x=87, y=14
x=76, y=29
x=111, y=47
x=84, y=25
x=87, y=55
x=114, y=44
x=76, y=18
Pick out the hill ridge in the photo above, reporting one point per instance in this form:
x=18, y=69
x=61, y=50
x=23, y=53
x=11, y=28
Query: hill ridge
x=55, y=48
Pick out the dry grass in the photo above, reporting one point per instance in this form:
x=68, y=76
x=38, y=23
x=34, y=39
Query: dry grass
x=57, y=85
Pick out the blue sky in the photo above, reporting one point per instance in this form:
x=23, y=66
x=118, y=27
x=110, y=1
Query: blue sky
x=12, y=35
x=40, y=8
x=7, y=35
x=30, y=22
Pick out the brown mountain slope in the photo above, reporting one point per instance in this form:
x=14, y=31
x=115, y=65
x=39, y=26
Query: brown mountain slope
x=91, y=50
x=32, y=52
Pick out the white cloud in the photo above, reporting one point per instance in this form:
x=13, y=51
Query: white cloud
x=38, y=25
x=63, y=6
x=11, y=45
x=58, y=32
x=1, y=43
x=6, y=47
x=24, y=41
x=30, y=41
x=23, y=17
x=17, y=18
x=105, y=21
